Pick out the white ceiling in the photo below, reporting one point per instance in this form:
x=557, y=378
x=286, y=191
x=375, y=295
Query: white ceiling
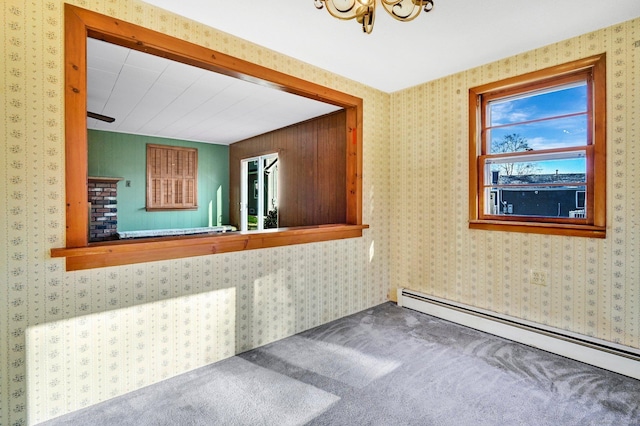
x=149, y=95
x=455, y=36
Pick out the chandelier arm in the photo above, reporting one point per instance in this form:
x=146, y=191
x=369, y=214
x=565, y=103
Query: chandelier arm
x=347, y=11
x=428, y=5
x=368, y=18
x=402, y=19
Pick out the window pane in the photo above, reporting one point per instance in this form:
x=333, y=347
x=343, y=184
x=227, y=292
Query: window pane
x=549, y=188
x=548, y=134
x=542, y=201
x=537, y=172
x=557, y=101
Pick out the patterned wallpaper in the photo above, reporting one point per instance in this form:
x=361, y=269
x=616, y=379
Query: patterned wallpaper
x=594, y=284
x=68, y=340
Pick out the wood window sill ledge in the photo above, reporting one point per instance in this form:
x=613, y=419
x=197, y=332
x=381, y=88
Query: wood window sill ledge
x=588, y=231
x=114, y=253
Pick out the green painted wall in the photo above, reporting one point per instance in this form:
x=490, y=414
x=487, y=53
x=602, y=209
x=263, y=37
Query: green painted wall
x=124, y=155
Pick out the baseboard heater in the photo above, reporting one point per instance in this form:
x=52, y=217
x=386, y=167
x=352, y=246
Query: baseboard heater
x=600, y=353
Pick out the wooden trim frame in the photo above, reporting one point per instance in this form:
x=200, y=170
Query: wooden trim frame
x=594, y=225
x=79, y=253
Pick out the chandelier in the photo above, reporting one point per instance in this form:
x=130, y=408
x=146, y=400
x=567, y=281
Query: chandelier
x=364, y=11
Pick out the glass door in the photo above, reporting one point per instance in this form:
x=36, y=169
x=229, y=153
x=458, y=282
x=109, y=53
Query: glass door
x=259, y=193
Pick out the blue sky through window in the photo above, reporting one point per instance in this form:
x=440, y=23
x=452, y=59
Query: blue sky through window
x=511, y=116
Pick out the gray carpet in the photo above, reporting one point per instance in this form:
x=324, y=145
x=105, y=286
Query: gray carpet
x=383, y=366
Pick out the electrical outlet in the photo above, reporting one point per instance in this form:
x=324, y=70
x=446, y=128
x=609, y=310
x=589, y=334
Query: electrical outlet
x=537, y=277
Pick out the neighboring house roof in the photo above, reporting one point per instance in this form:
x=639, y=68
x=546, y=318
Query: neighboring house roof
x=541, y=179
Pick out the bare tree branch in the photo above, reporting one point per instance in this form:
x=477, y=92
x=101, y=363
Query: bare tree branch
x=513, y=143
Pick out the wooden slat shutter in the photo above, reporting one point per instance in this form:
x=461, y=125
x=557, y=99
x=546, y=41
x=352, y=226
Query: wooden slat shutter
x=172, y=177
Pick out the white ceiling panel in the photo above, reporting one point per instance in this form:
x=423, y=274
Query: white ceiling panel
x=131, y=86
x=99, y=52
x=153, y=96
x=149, y=106
x=180, y=75
x=148, y=62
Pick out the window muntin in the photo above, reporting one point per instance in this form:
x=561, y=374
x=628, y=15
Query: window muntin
x=539, y=155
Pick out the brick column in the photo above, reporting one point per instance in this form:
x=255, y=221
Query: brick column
x=103, y=214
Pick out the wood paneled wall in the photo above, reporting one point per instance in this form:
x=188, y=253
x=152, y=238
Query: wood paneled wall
x=312, y=170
